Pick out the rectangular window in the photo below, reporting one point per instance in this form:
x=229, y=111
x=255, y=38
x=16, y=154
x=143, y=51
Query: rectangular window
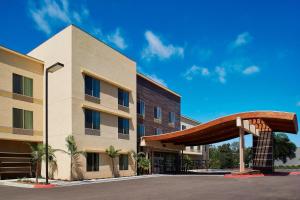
x=123, y=162
x=123, y=125
x=158, y=131
x=183, y=127
x=157, y=113
x=22, y=85
x=192, y=148
x=123, y=97
x=22, y=119
x=141, y=108
x=92, y=86
x=92, y=119
x=141, y=130
x=92, y=162
x=172, y=117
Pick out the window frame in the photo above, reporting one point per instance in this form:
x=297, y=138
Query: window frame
x=91, y=91
x=125, y=126
x=158, y=113
x=23, y=118
x=158, y=131
x=22, y=85
x=122, y=164
x=93, y=114
x=123, y=98
x=172, y=117
x=139, y=125
x=141, y=107
x=95, y=165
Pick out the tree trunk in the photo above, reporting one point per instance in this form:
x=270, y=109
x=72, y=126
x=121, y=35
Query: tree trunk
x=37, y=173
x=71, y=169
x=113, y=167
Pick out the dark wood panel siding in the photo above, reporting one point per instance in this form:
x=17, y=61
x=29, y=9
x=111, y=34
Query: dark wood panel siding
x=153, y=96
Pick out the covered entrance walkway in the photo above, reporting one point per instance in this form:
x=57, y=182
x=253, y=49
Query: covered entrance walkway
x=261, y=125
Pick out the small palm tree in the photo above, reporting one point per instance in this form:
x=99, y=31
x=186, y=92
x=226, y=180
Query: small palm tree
x=137, y=157
x=112, y=153
x=144, y=164
x=73, y=152
x=38, y=154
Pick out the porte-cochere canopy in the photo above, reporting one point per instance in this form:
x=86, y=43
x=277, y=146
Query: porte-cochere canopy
x=225, y=128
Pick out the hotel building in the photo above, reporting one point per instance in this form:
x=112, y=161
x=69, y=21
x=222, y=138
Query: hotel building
x=97, y=97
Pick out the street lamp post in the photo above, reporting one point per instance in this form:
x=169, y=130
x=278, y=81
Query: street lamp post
x=51, y=69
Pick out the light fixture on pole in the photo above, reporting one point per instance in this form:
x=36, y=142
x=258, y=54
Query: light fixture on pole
x=51, y=69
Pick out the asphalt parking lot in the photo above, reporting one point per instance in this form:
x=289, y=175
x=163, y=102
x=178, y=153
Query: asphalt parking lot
x=168, y=187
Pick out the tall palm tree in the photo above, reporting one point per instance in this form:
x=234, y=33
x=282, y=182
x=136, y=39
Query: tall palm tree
x=112, y=153
x=38, y=154
x=73, y=152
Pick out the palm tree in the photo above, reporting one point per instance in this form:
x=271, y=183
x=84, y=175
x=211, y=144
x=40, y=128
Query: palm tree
x=38, y=154
x=284, y=148
x=137, y=158
x=144, y=164
x=112, y=153
x=73, y=152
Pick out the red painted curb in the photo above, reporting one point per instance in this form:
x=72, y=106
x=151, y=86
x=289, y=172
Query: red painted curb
x=260, y=175
x=243, y=176
x=43, y=186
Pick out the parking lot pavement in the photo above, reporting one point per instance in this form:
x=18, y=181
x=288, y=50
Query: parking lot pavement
x=168, y=187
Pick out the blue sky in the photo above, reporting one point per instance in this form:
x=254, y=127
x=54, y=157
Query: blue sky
x=221, y=57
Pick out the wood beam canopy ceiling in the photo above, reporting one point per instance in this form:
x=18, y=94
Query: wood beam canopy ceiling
x=225, y=128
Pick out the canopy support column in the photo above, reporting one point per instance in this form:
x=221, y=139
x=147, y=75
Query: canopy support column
x=242, y=147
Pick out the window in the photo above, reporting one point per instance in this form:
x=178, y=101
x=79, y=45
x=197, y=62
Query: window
x=141, y=107
x=92, y=119
x=183, y=127
x=192, y=148
x=92, y=162
x=92, y=86
x=198, y=148
x=141, y=130
x=22, y=85
x=123, y=98
x=157, y=113
x=172, y=117
x=158, y=131
x=123, y=162
x=123, y=125
x=22, y=119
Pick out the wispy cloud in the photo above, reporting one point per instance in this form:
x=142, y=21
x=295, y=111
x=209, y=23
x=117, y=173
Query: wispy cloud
x=241, y=40
x=49, y=15
x=251, y=70
x=156, y=48
x=194, y=71
x=298, y=103
x=117, y=39
x=221, y=73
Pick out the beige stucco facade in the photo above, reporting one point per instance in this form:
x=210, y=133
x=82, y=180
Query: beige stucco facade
x=82, y=55
x=12, y=62
x=195, y=152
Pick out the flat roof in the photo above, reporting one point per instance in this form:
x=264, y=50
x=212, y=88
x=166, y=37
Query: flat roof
x=190, y=119
x=21, y=55
x=157, y=84
x=225, y=128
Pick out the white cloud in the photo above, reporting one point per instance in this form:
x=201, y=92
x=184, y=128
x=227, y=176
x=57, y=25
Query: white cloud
x=195, y=70
x=117, y=39
x=298, y=103
x=241, y=40
x=157, y=79
x=49, y=15
x=221, y=72
x=251, y=70
x=156, y=48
